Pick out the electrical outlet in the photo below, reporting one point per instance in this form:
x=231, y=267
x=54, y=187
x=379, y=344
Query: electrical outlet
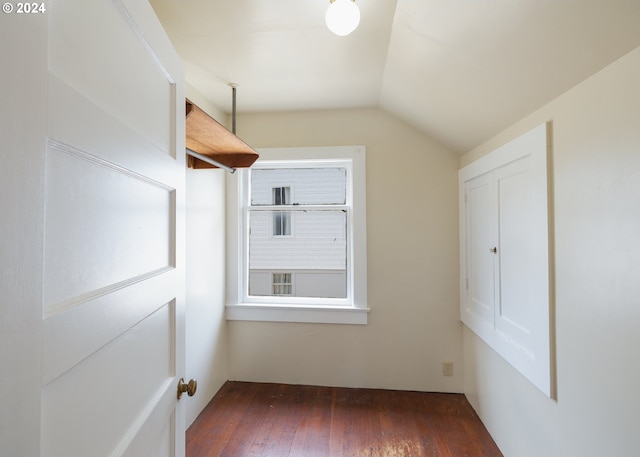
x=447, y=369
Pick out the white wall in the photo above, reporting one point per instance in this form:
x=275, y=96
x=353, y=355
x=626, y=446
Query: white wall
x=596, y=175
x=412, y=236
x=206, y=347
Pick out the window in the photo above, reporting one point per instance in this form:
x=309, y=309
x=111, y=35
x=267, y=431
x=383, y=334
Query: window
x=281, y=219
x=316, y=273
x=317, y=251
x=281, y=195
x=282, y=284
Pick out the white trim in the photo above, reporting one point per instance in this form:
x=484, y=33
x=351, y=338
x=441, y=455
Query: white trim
x=298, y=313
x=352, y=311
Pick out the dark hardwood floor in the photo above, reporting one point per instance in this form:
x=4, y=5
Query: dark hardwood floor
x=277, y=420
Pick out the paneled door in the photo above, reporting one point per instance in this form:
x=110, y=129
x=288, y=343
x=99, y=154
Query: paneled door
x=93, y=234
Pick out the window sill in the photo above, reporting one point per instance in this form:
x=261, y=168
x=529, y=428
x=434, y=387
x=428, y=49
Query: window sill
x=299, y=314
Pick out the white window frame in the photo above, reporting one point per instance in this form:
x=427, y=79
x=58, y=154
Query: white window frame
x=353, y=309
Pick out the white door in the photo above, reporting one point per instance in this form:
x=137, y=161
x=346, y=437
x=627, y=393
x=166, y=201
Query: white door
x=92, y=316
x=479, y=237
x=498, y=237
x=515, y=288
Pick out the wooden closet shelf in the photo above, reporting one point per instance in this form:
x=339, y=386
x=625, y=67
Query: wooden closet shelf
x=206, y=136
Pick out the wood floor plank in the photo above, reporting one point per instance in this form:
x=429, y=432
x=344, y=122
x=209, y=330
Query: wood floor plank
x=406, y=420
x=279, y=420
x=312, y=436
x=252, y=430
x=215, y=425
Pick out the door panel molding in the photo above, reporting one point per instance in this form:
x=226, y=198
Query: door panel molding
x=99, y=241
x=74, y=403
x=106, y=50
x=69, y=337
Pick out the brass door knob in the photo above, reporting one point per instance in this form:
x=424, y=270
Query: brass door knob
x=190, y=388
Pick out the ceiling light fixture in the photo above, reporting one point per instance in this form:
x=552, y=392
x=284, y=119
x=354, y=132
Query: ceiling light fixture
x=343, y=16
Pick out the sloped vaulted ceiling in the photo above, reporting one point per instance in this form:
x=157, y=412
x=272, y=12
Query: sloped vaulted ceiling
x=458, y=70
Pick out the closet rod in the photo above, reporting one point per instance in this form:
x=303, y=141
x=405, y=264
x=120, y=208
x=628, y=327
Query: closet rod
x=209, y=160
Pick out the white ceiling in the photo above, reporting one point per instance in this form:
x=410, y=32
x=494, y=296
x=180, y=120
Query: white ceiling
x=458, y=70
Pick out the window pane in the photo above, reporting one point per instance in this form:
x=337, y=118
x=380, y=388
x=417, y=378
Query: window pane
x=281, y=223
x=281, y=195
x=316, y=253
x=298, y=186
x=282, y=284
